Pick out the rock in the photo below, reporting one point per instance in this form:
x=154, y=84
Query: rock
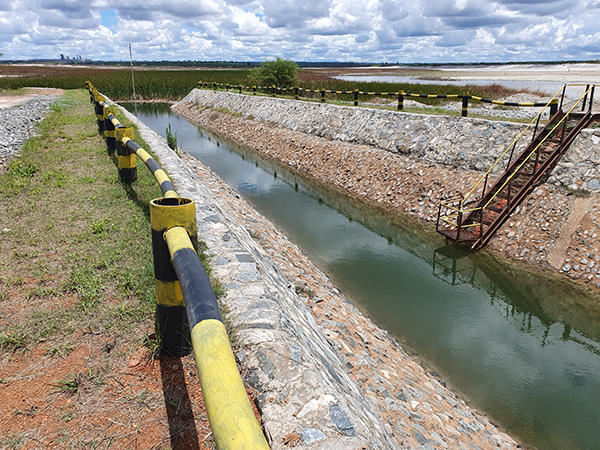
x=341, y=421
x=309, y=436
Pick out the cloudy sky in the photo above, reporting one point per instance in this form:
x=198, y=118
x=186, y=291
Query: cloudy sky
x=303, y=30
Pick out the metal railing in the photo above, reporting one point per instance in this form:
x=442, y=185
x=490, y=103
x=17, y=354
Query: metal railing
x=401, y=95
x=188, y=314
x=457, y=207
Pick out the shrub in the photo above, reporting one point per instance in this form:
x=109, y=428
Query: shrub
x=280, y=72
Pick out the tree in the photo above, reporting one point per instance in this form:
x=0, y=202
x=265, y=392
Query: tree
x=280, y=72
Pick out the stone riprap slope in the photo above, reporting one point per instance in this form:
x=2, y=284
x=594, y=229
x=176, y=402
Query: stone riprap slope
x=325, y=376
x=460, y=142
x=18, y=123
x=406, y=185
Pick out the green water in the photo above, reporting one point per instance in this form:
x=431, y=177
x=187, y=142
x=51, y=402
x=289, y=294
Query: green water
x=522, y=344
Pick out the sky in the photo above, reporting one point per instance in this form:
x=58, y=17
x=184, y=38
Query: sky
x=391, y=31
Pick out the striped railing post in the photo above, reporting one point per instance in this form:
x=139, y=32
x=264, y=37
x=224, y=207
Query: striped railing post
x=171, y=317
x=465, y=105
x=553, y=107
x=254, y=90
x=110, y=133
x=274, y=90
x=401, y=101
x=322, y=96
x=296, y=90
x=126, y=161
x=355, y=93
x=99, y=109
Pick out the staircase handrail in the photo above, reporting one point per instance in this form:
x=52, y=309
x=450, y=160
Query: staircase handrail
x=565, y=117
x=514, y=143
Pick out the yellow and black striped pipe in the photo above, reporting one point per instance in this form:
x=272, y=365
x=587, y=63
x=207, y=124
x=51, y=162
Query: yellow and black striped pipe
x=230, y=414
x=166, y=185
x=172, y=320
x=465, y=98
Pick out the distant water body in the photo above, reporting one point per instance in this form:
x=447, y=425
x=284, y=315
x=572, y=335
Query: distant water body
x=549, y=87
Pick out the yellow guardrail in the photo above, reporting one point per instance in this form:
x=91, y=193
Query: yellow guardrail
x=274, y=90
x=187, y=309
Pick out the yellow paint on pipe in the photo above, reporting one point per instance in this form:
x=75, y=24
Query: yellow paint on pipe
x=168, y=293
x=143, y=154
x=231, y=418
x=177, y=238
x=110, y=133
x=161, y=176
x=171, y=194
x=179, y=212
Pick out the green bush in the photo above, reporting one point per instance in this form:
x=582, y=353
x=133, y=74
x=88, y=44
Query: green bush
x=281, y=73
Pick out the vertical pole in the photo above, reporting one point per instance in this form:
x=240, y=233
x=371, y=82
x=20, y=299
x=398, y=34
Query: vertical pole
x=296, y=92
x=553, y=107
x=109, y=130
x=171, y=318
x=99, y=108
x=465, y=105
x=273, y=90
x=355, y=97
x=254, y=90
x=132, y=79
x=126, y=162
x=214, y=86
x=240, y=88
x=400, y=100
x=323, y=95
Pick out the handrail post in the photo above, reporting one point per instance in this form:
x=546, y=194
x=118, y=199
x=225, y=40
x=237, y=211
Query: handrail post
x=322, y=95
x=400, y=100
x=273, y=92
x=171, y=317
x=99, y=109
x=254, y=90
x=109, y=130
x=296, y=92
x=587, y=88
x=355, y=92
x=465, y=105
x=562, y=96
x=126, y=161
x=553, y=107
x=458, y=224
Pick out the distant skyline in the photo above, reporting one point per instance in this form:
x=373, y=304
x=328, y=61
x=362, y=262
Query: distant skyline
x=418, y=31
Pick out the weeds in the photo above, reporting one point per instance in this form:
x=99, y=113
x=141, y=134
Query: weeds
x=88, y=379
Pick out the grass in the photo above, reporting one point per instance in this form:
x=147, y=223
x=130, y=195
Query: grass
x=174, y=84
x=78, y=239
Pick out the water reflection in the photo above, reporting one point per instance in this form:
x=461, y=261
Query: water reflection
x=520, y=342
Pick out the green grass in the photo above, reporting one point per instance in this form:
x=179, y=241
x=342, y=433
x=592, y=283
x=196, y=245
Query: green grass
x=79, y=243
x=90, y=239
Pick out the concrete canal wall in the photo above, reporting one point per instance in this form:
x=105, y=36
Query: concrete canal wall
x=324, y=375
x=466, y=143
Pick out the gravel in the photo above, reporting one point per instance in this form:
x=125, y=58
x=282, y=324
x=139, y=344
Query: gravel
x=18, y=123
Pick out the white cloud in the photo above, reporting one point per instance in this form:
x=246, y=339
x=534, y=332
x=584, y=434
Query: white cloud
x=346, y=30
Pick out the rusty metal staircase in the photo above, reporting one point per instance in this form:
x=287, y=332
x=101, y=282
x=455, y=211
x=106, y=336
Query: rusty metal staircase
x=474, y=218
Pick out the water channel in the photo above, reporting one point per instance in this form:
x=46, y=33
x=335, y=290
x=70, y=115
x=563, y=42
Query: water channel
x=523, y=345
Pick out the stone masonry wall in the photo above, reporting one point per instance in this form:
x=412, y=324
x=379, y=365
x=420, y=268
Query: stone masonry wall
x=461, y=142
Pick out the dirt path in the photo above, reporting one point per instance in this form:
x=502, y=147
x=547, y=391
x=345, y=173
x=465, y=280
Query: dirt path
x=8, y=99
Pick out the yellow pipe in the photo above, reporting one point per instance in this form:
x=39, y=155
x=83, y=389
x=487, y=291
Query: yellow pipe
x=230, y=414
